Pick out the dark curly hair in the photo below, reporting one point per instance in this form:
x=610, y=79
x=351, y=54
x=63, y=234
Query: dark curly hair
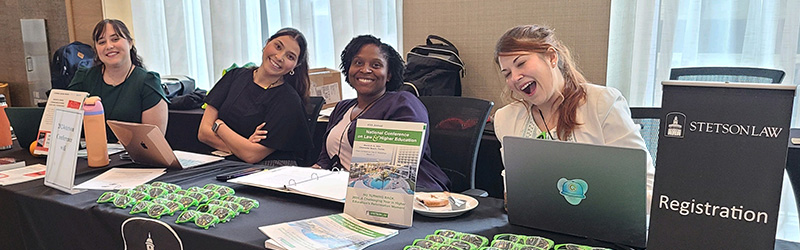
x=396, y=64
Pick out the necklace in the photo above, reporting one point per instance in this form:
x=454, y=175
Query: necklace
x=545, y=125
x=255, y=73
x=544, y=134
x=336, y=161
x=244, y=87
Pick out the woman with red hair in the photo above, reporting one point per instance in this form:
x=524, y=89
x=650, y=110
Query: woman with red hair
x=553, y=100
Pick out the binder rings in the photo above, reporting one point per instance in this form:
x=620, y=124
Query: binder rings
x=319, y=183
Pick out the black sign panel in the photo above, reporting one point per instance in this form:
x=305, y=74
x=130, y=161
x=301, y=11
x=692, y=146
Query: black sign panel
x=719, y=171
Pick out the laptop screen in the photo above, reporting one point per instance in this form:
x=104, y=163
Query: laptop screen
x=586, y=190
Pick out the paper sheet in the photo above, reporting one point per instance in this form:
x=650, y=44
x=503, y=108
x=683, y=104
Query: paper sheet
x=62, y=153
x=10, y=166
x=329, y=91
x=189, y=159
x=326, y=112
x=275, y=178
x=119, y=178
x=113, y=148
x=22, y=174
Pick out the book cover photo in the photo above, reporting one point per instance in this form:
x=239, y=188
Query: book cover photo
x=383, y=172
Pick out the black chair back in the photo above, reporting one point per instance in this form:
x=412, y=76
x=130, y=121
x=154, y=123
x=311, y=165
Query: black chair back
x=25, y=121
x=182, y=129
x=727, y=74
x=456, y=125
x=312, y=112
x=649, y=120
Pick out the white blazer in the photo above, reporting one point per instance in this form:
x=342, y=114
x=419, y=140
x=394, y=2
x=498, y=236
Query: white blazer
x=605, y=119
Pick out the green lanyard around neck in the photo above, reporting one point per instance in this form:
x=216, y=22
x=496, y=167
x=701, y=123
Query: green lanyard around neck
x=543, y=135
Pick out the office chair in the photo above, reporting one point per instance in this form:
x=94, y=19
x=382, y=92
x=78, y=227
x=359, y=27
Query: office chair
x=312, y=112
x=727, y=74
x=25, y=121
x=456, y=125
x=649, y=119
x=182, y=128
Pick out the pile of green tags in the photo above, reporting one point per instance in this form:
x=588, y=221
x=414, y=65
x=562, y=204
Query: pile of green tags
x=444, y=239
x=516, y=241
x=213, y=203
x=508, y=241
x=570, y=246
x=216, y=204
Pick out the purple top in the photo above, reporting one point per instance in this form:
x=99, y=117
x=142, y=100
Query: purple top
x=394, y=106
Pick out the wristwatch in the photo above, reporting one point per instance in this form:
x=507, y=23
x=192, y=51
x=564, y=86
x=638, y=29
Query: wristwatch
x=215, y=126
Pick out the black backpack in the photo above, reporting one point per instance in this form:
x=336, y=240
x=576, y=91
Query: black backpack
x=67, y=60
x=177, y=85
x=434, y=69
x=193, y=100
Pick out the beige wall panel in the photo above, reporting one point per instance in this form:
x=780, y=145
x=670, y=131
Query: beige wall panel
x=13, y=61
x=119, y=9
x=85, y=14
x=475, y=25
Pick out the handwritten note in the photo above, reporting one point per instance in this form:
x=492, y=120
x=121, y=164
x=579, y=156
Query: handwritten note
x=63, y=154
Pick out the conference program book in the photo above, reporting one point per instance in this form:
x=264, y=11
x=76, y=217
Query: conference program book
x=383, y=172
x=336, y=231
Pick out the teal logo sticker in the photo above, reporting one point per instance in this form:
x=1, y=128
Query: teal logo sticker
x=574, y=191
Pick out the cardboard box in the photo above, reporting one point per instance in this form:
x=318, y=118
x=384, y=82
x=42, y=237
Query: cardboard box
x=327, y=83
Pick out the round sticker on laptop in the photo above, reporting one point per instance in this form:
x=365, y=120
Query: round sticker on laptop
x=574, y=191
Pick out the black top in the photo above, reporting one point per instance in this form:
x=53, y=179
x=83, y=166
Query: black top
x=243, y=105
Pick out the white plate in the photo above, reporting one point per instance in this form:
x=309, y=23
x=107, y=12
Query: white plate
x=446, y=211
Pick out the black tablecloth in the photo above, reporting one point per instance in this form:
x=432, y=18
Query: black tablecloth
x=38, y=217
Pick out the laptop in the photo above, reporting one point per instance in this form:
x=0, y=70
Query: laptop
x=25, y=121
x=592, y=191
x=146, y=145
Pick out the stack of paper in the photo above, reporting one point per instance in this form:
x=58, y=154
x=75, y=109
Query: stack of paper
x=337, y=231
x=17, y=173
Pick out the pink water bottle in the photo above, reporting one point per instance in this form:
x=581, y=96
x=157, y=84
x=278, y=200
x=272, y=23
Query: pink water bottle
x=94, y=127
x=5, y=125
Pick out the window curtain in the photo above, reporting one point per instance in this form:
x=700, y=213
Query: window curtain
x=648, y=38
x=201, y=38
